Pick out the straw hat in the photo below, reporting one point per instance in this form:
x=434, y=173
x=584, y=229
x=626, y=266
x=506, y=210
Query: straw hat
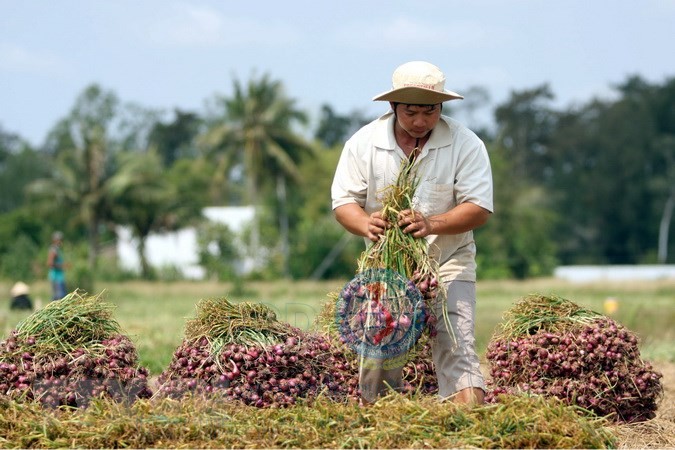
x=418, y=83
x=19, y=288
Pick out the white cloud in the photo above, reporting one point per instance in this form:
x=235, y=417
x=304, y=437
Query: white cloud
x=189, y=26
x=14, y=58
x=199, y=26
x=405, y=33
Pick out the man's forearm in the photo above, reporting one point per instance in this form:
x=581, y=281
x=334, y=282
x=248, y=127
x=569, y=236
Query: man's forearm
x=353, y=218
x=460, y=219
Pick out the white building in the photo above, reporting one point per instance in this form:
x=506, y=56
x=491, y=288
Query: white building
x=179, y=249
x=586, y=274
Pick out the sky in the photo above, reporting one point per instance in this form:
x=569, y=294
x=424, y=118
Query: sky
x=168, y=54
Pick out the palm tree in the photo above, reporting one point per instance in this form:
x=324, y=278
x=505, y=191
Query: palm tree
x=256, y=131
x=82, y=150
x=145, y=200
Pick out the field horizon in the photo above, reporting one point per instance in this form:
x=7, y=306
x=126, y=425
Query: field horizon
x=153, y=314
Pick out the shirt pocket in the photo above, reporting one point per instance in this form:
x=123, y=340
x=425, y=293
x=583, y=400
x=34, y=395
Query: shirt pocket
x=434, y=198
x=385, y=171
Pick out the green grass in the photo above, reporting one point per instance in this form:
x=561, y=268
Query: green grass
x=154, y=314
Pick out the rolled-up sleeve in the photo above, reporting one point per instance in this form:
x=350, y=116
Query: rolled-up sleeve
x=350, y=183
x=474, y=178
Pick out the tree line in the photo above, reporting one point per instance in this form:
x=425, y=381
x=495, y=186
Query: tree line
x=588, y=184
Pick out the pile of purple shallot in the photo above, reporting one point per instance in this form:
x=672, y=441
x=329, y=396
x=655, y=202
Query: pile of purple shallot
x=69, y=353
x=552, y=347
x=242, y=352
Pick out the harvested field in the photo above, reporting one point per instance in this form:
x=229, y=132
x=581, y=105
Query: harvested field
x=402, y=421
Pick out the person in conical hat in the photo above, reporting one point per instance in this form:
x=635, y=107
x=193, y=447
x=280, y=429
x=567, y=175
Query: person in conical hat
x=20, y=296
x=454, y=197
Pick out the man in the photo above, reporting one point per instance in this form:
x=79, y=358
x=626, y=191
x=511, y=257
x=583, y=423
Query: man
x=56, y=264
x=453, y=198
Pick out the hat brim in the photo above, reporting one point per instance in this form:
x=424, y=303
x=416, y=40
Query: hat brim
x=19, y=289
x=412, y=95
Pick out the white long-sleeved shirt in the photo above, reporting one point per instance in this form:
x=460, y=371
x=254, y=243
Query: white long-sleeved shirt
x=454, y=168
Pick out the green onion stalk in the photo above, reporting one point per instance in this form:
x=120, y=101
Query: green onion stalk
x=403, y=253
x=537, y=312
x=222, y=322
x=76, y=321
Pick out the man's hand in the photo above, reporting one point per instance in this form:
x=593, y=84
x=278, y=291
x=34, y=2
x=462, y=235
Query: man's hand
x=414, y=222
x=357, y=221
x=376, y=226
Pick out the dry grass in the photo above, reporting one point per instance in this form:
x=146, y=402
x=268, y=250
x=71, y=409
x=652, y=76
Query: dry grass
x=393, y=422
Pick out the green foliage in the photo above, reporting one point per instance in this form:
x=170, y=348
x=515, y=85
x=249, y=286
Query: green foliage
x=175, y=140
x=80, y=276
x=315, y=241
x=334, y=129
x=311, y=201
x=146, y=201
x=167, y=273
x=607, y=167
x=218, y=253
x=516, y=242
x=83, y=164
x=18, y=222
x=107, y=270
x=191, y=182
x=19, y=259
x=255, y=131
x=589, y=184
x=17, y=171
x=317, y=233
x=20, y=244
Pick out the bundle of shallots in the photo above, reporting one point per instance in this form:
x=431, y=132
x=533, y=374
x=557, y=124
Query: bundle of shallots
x=402, y=252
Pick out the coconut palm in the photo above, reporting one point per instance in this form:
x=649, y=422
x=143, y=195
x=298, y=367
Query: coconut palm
x=82, y=166
x=256, y=132
x=147, y=199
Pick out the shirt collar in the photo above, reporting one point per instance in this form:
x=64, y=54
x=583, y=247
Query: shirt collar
x=384, y=133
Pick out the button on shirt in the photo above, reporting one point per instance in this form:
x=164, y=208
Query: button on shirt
x=453, y=168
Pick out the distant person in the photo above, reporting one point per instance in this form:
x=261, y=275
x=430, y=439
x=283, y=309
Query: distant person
x=56, y=264
x=20, y=296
